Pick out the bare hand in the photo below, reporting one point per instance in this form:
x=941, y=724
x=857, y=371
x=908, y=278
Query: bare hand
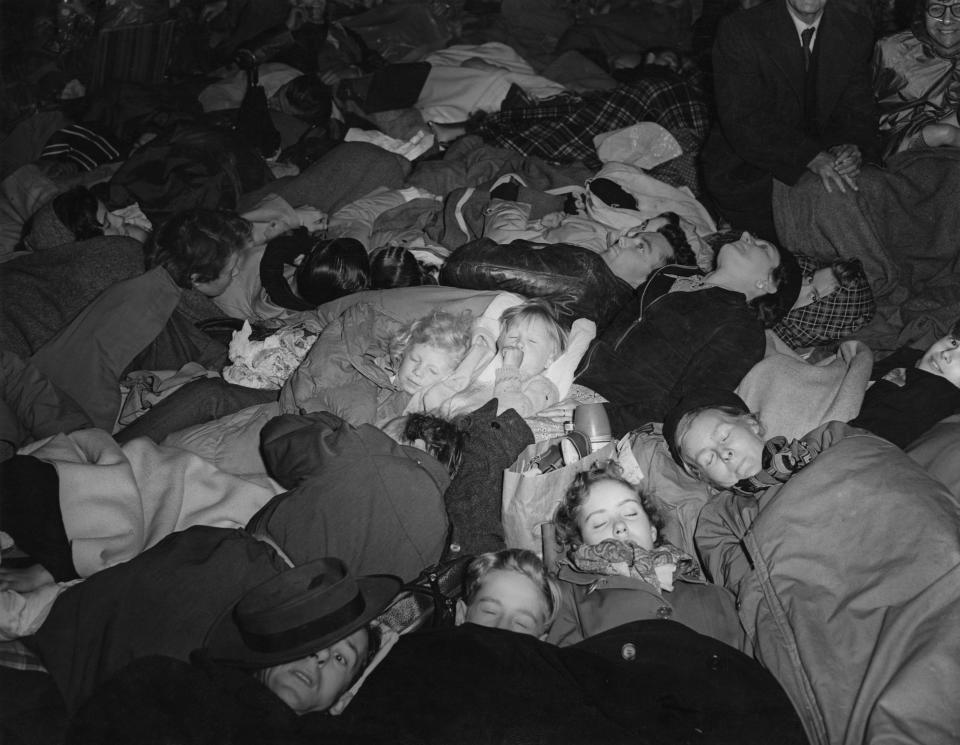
x=823, y=166
x=562, y=411
x=847, y=160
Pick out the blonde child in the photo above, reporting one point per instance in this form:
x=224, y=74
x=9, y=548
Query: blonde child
x=511, y=590
x=618, y=568
x=524, y=356
x=366, y=367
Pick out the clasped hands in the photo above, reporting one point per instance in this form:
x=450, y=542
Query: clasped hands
x=838, y=167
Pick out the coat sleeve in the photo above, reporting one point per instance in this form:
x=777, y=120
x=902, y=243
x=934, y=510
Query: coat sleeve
x=855, y=118
x=759, y=134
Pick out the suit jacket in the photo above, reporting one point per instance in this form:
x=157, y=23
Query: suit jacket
x=758, y=71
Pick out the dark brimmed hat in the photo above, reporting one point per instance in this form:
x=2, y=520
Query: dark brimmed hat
x=843, y=312
x=297, y=613
x=699, y=398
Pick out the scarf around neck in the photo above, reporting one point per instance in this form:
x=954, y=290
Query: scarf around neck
x=780, y=460
x=625, y=559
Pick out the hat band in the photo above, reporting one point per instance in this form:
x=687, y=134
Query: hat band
x=299, y=635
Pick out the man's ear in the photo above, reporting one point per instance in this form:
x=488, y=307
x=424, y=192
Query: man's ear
x=461, y=613
x=194, y=279
x=341, y=703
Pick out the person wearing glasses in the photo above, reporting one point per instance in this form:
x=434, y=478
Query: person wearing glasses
x=917, y=80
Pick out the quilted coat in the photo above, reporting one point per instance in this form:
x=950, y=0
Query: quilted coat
x=847, y=579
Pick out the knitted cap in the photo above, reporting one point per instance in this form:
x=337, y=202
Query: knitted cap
x=839, y=314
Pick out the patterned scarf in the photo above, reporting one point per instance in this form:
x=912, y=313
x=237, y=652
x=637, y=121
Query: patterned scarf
x=656, y=566
x=781, y=459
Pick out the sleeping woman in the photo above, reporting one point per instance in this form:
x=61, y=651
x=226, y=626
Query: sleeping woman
x=686, y=329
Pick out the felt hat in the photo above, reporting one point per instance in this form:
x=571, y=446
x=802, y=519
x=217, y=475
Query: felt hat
x=843, y=312
x=297, y=613
x=699, y=398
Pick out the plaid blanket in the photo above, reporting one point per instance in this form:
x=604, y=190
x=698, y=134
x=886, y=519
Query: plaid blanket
x=562, y=128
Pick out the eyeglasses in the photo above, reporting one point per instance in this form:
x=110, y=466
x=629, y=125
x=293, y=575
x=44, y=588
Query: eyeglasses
x=938, y=11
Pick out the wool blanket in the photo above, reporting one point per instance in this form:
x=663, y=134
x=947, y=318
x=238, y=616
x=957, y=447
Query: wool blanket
x=903, y=225
x=118, y=501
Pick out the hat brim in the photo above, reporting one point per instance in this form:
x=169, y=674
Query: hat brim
x=224, y=642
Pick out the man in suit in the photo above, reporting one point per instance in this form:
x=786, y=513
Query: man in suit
x=794, y=101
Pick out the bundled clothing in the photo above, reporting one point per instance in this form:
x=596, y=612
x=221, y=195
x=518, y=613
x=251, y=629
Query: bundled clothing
x=663, y=344
x=612, y=583
x=916, y=84
x=350, y=370
x=562, y=128
x=811, y=561
x=905, y=401
x=353, y=493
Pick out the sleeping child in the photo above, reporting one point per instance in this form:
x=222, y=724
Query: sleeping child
x=535, y=360
x=618, y=568
x=366, y=367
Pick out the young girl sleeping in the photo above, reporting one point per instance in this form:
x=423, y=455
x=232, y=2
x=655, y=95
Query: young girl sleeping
x=618, y=568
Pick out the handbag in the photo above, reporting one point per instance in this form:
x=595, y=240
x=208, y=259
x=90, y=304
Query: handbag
x=531, y=496
x=429, y=599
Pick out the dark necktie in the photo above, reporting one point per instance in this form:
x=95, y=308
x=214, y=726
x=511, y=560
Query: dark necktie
x=806, y=36
x=809, y=82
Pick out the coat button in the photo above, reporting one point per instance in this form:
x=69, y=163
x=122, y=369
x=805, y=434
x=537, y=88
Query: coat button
x=664, y=611
x=628, y=651
x=714, y=662
x=739, y=604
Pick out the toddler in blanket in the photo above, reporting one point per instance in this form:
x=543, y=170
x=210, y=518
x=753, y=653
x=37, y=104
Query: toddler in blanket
x=527, y=368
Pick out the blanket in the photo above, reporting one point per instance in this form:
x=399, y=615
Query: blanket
x=902, y=224
x=118, y=501
x=41, y=292
x=794, y=397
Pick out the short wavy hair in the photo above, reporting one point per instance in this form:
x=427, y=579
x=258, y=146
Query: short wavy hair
x=195, y=245
x=567, y=518
x=518, y=560
x=333, y=268
x=535, y=309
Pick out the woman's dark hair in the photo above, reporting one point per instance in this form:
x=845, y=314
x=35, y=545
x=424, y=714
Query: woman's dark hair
x=444, y=439
x=310, y=97
x=682, y=252
x=566, y=520
x=333, y=268
x=848, y=272
x=788, y=275
x=195, y=245
x=77, y=210
x=395, y=266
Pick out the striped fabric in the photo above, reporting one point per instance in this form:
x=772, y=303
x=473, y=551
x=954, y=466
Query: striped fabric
x=137, y=53
x=81, y=145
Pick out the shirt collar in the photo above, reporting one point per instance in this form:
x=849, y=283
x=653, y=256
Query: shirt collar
x=800, y=26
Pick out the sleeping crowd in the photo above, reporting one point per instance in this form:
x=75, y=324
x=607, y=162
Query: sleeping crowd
x=276, y=342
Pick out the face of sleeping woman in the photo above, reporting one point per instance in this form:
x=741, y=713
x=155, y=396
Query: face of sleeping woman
x=722, y=448
x=942, y=26
x=613, y=510
x=750, y=262
x=422, y=366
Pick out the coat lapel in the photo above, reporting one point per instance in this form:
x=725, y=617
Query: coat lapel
x=783, y=47
x=831, y=62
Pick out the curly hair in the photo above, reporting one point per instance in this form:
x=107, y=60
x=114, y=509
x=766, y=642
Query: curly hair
x=443, y=439
x=195, y=245
x=567, y=518
x=449, y=332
